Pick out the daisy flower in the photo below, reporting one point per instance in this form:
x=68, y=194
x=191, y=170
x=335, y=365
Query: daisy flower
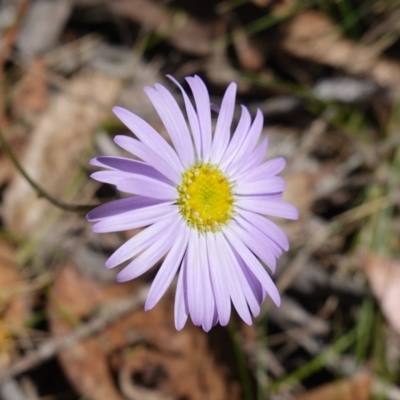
x=203, y=203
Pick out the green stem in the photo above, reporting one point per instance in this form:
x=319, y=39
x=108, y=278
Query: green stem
x=38, y=189
x=241, y=361
x=317, y=363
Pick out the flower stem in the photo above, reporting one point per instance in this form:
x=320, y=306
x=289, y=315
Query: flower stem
x=78, y=208
x=241, y=361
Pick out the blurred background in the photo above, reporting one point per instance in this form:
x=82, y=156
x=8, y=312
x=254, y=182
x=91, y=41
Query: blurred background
x=326, y=74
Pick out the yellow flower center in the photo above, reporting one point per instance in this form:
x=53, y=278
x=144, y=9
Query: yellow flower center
x=205, y=198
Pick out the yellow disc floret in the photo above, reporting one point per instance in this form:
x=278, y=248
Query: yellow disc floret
x=205, y=198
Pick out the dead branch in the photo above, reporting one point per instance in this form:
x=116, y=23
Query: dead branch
x=95, y=325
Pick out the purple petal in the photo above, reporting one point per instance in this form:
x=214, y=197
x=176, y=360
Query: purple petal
x=120, y=206
x=242, y=272
x=215, y=318
x=235, y=285
x=130, y=166
x=254, y=265
x=172, y=118
x=209, y=318
x=255, y=285
x=218, y=280
x=248, y=145
x=181, y=303
x=263, y=205
x=141, y=241
x=150, y=256
x=149, y=136
x=263, y=240
x=262, y=250
x=148, y=155
x=223, y=128
x=202, y=100
x=113, y=177
x=255, y=159
x=192, y=116
x=195, y=278
x=119, y=163
x=134, y=219
x=208, y=295
x=110, y=177
x=269, y=168
x=238, y=138
x=268, y=185
x=124, y=167
x=168, y=269
x=270, y=197
x=145, y=186
x=267, y=227
x=238, y=273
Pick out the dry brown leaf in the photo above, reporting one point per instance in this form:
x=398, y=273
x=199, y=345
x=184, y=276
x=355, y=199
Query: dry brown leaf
x=384, y=277
x=356, y=388
x=86, y=367
x=74, y=298
x=262, y=3
x=55, y=151
x=42, y=26
x=6, y=169
x=16, y=137
x=14, y=306
x=143, y=344
x=249, y=56
x=300, y=192
x=183, y=31
x=218, y=68
x=312, y=36
x=29, y=96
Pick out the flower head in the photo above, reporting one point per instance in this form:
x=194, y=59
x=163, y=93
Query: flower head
x=203, y=204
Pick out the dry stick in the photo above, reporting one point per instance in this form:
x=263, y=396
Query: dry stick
x=324, y=233
x=10, y=390
x=313, y=244
x=11, y=33
x=52, y=346
x=317, y=128
x=39, y=190
x=57, y=81
x=7, y=40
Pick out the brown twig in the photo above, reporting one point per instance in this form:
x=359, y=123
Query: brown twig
x=9, y=36
x=95, y=325
x=6, y=42
x=5, y=47
x=38, y=189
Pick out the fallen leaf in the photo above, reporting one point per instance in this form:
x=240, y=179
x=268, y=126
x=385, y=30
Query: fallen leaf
x=384, y=278
x=249, y=55
x=54, y=154
x=300, y=192
x=29, y=96
x=355, y=388
x=183, y=31
x=311, y=35
x=13, y=303
x=143, y=349
x=262, y=3
x=14, y=306
x=36, y=37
